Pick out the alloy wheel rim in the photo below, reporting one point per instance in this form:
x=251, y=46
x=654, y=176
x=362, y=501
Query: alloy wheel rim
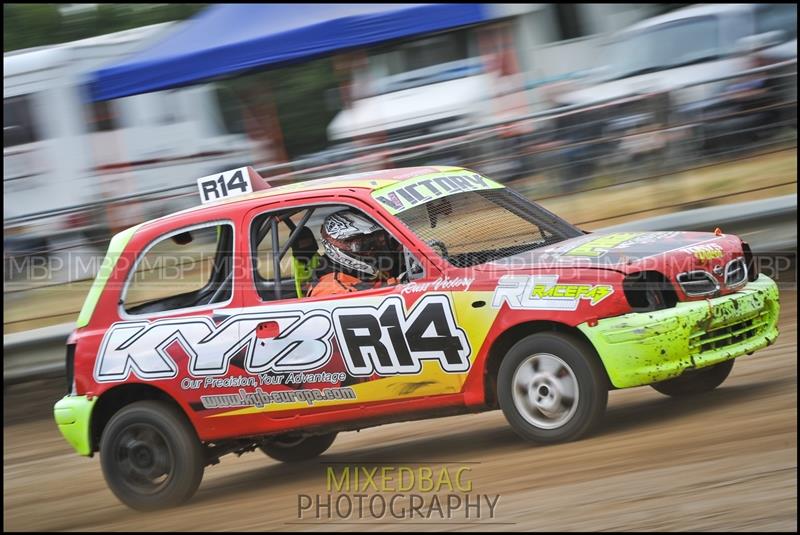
x=144, y=459
x=545, y=391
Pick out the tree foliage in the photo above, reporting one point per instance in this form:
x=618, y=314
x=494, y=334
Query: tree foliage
x=297, y=94
x=300, y=100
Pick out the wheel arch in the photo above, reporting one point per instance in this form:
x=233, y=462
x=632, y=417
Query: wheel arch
x=115, y=399
x=506, y=340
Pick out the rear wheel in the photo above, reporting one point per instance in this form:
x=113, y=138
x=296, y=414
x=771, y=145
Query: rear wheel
x=295, y=448
x=696, y=382
x=151, y=457
x=552, y=388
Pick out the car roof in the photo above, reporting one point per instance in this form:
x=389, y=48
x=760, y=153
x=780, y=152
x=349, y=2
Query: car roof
x=370, y=180
x=698, y=10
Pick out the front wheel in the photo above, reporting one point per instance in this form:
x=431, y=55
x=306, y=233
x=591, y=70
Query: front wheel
x=296, y=448
x=696, y=382
x=552, y=388
x=151, y=457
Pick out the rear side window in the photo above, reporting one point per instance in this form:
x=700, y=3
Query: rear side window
x=188, y=268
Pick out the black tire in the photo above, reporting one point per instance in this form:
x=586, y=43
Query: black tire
x=587, y=379
x=295, y=448
x=141, y=441
x=696, y=382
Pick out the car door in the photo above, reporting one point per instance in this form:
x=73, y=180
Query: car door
x=354, y=351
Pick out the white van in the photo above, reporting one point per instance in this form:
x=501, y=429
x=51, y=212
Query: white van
x=682, y=68
x=415, y=88
x=689, y=46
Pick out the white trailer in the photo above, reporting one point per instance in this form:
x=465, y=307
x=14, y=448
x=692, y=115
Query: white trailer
x=60, y=150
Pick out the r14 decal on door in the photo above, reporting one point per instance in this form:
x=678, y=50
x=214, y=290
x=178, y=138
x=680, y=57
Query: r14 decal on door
x=382, y=340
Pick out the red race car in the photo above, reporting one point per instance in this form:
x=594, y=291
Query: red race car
x=274, y=318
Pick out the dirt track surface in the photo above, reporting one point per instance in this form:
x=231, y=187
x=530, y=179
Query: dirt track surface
x=722, y=461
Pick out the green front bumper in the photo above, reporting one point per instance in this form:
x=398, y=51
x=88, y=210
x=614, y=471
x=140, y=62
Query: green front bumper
x=73, y=415
x=644, y=348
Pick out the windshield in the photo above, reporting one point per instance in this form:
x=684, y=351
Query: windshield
x=662, y=47
x=777, y=17
x=475, y=227
x=428, y=52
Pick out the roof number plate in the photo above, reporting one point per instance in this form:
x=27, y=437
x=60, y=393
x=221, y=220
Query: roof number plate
x=225, y=184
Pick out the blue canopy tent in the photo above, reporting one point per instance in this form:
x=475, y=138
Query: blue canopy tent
x=228, y=39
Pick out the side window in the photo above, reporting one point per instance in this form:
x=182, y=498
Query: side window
x=102, y=116
x=780, y=17
x=18, y=125
x=183, y=269
x=291, y=242
x=267, y=249
x=295, y=254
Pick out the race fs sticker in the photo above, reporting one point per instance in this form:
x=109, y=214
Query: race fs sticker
x=543, y=292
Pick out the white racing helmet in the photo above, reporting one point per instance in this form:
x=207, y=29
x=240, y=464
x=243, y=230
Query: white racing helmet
x=354, y=242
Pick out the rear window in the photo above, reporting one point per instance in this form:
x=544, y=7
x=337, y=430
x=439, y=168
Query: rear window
x=184, y=269
x=475, y=227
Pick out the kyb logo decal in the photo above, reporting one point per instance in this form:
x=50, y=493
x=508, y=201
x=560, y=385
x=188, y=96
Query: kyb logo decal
x=383, y=341
x=379, y=339
x=302, y=342
x=542, y=292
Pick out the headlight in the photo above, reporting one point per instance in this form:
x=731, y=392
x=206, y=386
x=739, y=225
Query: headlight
x=735, y=273
x=697, y=283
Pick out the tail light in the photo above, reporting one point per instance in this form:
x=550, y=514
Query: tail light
x=70, y=367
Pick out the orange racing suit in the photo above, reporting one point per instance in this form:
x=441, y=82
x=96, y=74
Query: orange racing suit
x=338, y=283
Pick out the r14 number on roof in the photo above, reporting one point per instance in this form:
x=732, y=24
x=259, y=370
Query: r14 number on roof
x=226, y=184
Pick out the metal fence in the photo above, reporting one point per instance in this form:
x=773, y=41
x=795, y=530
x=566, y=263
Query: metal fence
x=548, y=154
x=567, y=148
